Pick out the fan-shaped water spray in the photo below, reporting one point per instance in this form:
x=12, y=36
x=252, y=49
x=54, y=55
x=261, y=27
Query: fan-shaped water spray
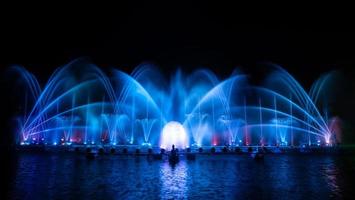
x=80, y=104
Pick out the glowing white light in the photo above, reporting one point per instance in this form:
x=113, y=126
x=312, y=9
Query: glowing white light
x=174, y=134
x=54, y=143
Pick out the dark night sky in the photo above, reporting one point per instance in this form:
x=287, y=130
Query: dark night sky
x=194, y=35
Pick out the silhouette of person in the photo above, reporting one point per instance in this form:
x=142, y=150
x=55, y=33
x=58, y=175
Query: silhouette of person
x=173, y=151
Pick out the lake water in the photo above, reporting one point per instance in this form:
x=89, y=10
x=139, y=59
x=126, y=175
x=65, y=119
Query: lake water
x=69, y=176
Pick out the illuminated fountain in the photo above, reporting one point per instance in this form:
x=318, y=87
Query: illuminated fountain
x=288, y=111
x=174, y=133
x=80, y=104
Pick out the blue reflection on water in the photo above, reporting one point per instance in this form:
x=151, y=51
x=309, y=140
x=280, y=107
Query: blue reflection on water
x=41, y=176
x=173, y=180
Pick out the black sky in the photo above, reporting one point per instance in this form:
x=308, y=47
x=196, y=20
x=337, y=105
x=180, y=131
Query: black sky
x=192, y=35
x=219, y=37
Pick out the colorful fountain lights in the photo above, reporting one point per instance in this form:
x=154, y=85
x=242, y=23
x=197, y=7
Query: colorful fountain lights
x=80, y=104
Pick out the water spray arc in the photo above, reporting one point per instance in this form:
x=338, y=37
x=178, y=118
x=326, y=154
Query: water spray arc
x=81, y=104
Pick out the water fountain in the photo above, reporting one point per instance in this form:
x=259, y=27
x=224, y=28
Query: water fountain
x=82, y=105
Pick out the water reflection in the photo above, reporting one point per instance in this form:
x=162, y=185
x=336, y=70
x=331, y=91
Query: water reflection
x=173, y=178
x=214, y=177
x=331, y=173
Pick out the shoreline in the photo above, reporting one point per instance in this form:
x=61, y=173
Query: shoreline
x=137, y=150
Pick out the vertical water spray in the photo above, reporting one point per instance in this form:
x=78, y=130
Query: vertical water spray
x=261, y=122
x=64, y=109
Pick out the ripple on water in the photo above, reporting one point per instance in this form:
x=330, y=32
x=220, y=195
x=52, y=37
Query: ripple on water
x=39, y=176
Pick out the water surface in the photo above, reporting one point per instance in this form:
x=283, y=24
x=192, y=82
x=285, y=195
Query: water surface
x=68, y=176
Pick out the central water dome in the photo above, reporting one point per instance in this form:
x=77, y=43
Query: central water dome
x=174, y=133
x=81, y=105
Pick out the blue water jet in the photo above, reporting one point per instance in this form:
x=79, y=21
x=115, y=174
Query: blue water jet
x=80, y=104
